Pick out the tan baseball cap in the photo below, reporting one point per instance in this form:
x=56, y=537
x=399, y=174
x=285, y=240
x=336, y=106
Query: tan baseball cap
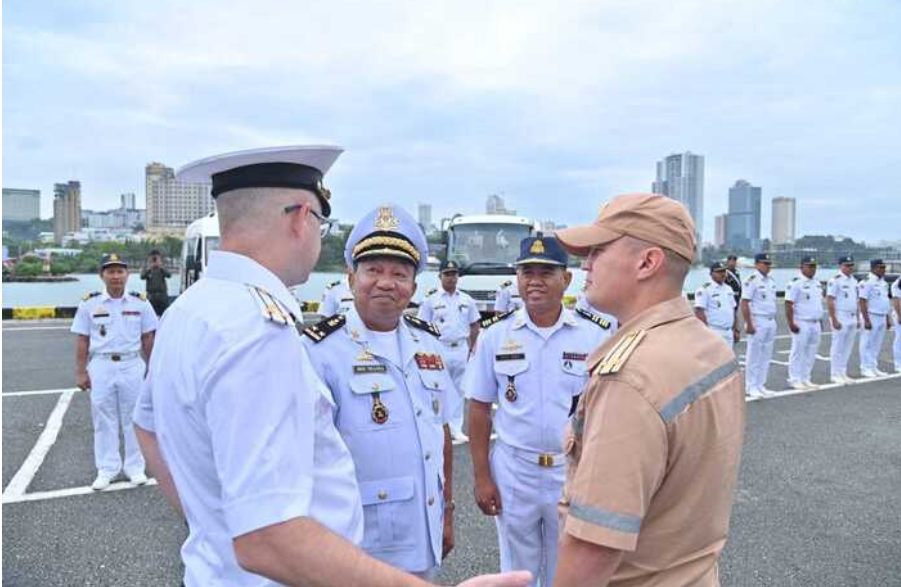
x=650, y=217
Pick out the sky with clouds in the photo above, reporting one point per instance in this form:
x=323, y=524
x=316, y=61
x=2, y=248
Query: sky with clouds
x=558, y=106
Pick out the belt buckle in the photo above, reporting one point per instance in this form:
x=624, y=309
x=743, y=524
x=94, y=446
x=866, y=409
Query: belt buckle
x=545, y=460
x=454, y=344
x=115, y=357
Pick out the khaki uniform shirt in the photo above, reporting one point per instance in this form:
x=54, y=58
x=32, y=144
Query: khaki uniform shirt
x=654, y=449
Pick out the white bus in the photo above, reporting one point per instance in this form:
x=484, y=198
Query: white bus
x=201, y=238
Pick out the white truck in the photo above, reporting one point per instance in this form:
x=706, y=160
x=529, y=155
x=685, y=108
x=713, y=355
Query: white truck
x=201, y=239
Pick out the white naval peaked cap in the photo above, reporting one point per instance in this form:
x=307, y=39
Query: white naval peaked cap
x=295, y=166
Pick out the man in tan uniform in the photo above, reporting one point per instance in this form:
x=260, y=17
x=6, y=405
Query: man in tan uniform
x=655, y=444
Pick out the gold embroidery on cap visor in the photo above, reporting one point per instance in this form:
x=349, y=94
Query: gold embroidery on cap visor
x=385, y=245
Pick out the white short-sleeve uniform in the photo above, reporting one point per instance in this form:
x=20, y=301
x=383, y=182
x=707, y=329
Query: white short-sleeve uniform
x=507, y=298
x=760, y=291
x=583, y=304
x=453, y=315
x=116, y=369
x=535, y=376
x=337, y=298
x=874, y=290
x=391, y=400
x=896, y=347
x=806, y=295
x=718, y=302
x=242, y=420
x=843, y=291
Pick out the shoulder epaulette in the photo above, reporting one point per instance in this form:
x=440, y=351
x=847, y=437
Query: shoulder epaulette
x=837, y=276
x=796, y=279
x=138, y=294
x=496, y=318
x=319, y=331
x=706, y=284
x=90, y=295
x=507, y=283
x=271, y=308
x=751, y=277
x=422, y=325
x=617, y=356
x=596, y=319
x=332, y=284
x=432, y=291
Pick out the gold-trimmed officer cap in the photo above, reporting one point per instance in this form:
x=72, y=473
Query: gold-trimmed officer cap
x=297, y=166
x=387, y=231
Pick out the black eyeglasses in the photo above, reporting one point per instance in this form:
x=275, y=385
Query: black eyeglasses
x=325, y=224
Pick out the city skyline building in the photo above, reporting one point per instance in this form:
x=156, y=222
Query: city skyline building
x=720, y=221
x=21, y=204
x=425, y=217
x=127, y=201
x=743, y=217
x=784, y=220
x=495, y=204
x=172, y=204
x=680, y=176
x=66, y=209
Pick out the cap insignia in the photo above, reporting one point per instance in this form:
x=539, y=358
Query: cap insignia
x=386, y=219
x=537, y=248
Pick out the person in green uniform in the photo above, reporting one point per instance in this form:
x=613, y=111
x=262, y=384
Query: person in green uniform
x=155, y=275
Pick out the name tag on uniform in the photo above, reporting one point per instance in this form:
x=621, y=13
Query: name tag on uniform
x=439, y=306
x=131, y=313
x=575, y=356
x=359, y=369
x=100, y=315
x=510, y=357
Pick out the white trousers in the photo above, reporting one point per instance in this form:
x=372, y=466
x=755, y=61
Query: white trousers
x=803, y=351
x=760, y=351
x=896, y=348
x=455, y=359
x=725, y=334
x=528, y=525
x=114, y=390
x=871, y=342
x=842, y=343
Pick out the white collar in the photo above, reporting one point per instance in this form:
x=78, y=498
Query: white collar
x=239, y=268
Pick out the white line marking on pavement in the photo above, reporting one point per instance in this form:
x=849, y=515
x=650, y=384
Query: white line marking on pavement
x=39, y=392
x=32, y=328
x=783, y=363
x=822, y=358
x=30, y=467
x=71, y=491
x=820, y=387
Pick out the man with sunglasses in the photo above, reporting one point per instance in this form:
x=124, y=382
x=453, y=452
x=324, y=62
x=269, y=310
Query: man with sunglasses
x=233, y=420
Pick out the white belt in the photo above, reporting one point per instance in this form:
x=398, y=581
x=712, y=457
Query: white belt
x=116, y=357
x=541, y=459
x=765, y=316
x=854, y=311
x=808, y=319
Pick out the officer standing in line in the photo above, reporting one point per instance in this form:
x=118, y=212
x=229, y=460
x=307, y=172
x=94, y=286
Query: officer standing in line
x=872, y=293
x=156, y=275
x=235, y=423
x=758, y=307
x=715, y=305
x=531, y=363
x=113, y=329
x=507, y=298
x=391, y=385
x=655, y=444
x=337, y=298
x=455, y=314
x=843, y=308
x=733, y=279
x=896, y=303
x=803, y=314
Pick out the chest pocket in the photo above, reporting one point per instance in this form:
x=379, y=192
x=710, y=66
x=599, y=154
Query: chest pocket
x=101, y=324
x=368, y=389
x=511, y=368
x=388, y=521
x=437, y=385
x=573, y=367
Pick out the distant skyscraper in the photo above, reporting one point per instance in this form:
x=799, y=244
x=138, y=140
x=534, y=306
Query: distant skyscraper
x=173, y=204
x=127, y=201
x=21, y=205
x=719, y=238
x=495, y=205
x=425, y=216
x=743, y=222
x=66, y=209
x=784, y=219
x=681, y=177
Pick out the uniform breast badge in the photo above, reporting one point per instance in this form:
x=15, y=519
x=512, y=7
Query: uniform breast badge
x=510, y=394
x=379, y=410
x=103, y=330
x=436, y=406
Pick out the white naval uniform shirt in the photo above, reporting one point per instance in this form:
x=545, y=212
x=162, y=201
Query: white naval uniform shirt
x=875, y=291
x=843, y=288
x=760, y=291
x=114, y=325
x=242, y=420
x=583, y=304
x=896, y=294
x=453, y=314
x=400, y=460
x=507, y=297
x=718, y=302
x=337, y=299
x=806, y=295
x=547, y=374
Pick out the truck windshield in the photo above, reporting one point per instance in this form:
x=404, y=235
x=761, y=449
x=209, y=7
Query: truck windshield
x=486, y=244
